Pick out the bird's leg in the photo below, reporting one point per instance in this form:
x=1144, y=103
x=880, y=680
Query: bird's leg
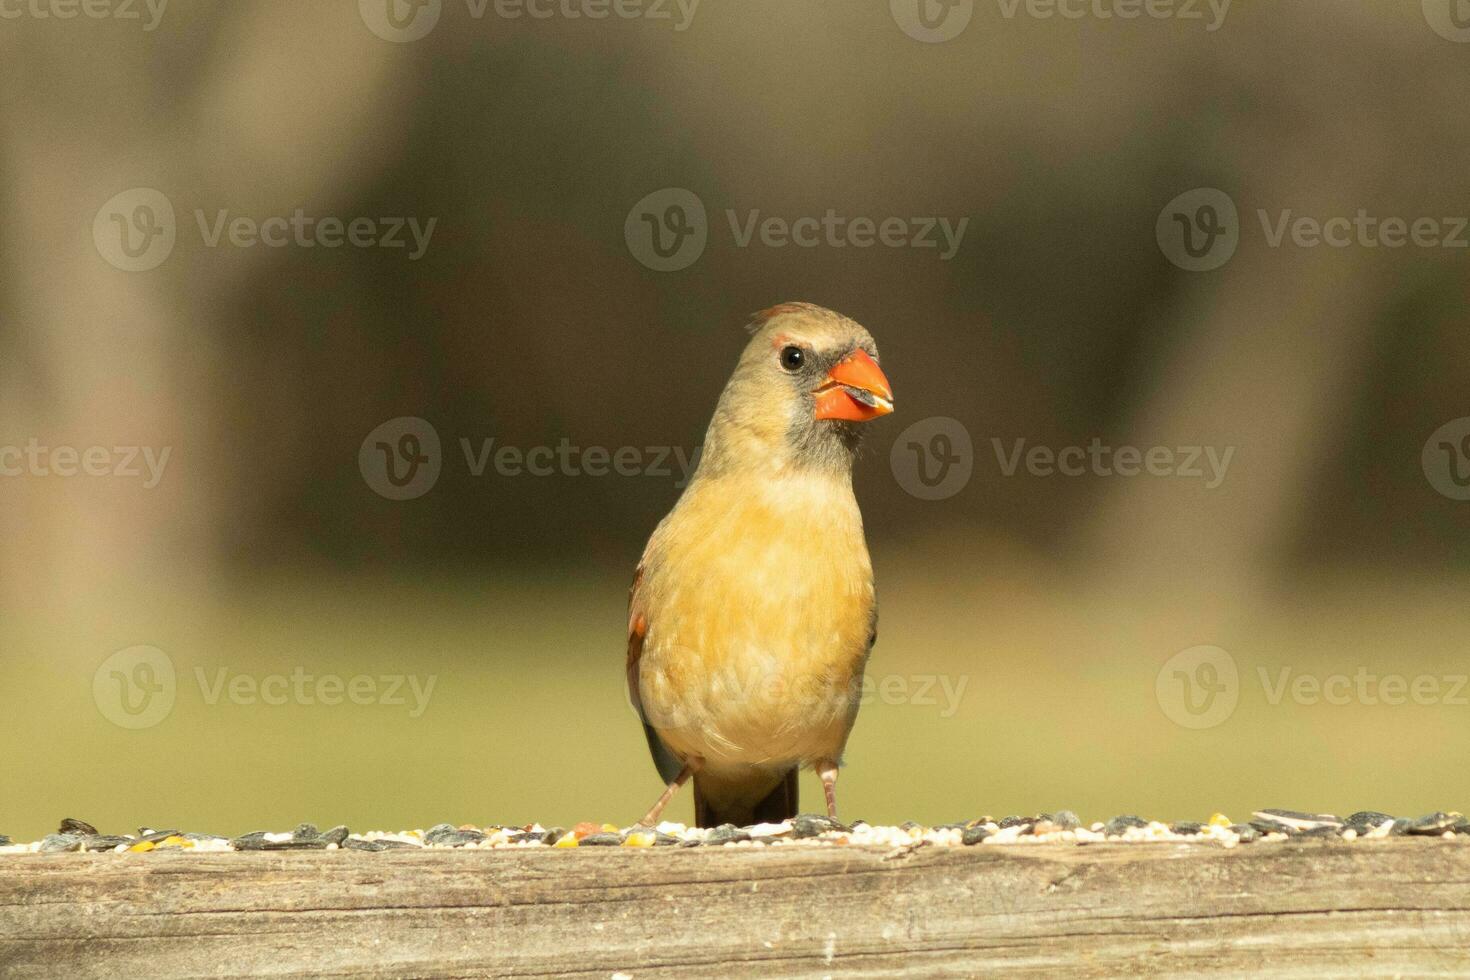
x=827, y=769
x=651, y=819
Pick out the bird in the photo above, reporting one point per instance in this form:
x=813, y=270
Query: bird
x=752, y=612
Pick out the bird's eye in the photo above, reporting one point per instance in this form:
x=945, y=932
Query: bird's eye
x=792, y=358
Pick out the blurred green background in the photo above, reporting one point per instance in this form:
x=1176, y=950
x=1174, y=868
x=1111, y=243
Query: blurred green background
x=1050, y=606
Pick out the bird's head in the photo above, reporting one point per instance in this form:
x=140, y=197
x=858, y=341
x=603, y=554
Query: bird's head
x=805, y=385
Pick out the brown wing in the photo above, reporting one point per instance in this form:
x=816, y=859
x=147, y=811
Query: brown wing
x=666, y=762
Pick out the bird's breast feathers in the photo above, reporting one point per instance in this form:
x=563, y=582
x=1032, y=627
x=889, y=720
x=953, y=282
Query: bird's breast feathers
x=758, y=599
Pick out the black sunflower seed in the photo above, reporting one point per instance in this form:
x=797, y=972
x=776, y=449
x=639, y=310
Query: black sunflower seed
x=974, y=835
x=446, y=835
x=71, y=825
x=1433, y=824
x=358, y=844
x=1118, y=826
x=726, y=833
x=103, y=842
x=257, y=841
x=61, y=842
x=811, y=825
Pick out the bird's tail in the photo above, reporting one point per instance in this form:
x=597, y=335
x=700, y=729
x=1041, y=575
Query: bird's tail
x=723, y=802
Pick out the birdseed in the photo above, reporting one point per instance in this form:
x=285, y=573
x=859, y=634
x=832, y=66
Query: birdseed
x=1063, y=827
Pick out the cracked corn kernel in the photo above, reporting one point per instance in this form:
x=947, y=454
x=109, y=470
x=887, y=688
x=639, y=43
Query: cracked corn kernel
x=567, y=840
x=142, y=845
x=1220, y=820
x=639, y=839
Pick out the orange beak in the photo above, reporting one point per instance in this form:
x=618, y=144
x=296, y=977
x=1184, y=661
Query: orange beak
x=855, y=390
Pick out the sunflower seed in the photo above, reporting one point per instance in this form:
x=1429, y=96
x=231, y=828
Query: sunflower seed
x=974, y=835
x=1296, y=820
x=726, y=833
x=103, y=842
x=1433, y=824
x=811, y=825
x=447, y=835
x=61, y=842
x=1118, y=826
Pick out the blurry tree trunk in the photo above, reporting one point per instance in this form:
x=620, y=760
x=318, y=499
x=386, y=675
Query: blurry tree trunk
x=1274, y=346
x=291, y=97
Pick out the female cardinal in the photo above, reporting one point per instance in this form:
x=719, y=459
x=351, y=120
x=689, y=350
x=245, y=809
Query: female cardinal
x=752, y=613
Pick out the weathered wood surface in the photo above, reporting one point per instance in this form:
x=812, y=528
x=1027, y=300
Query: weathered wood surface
x=1311, y=908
